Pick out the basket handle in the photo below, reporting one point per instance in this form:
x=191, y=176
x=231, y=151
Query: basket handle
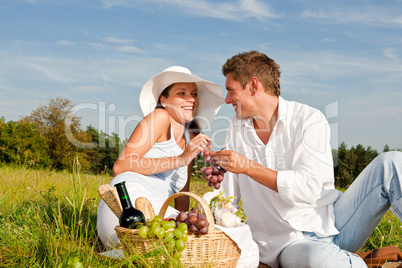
x=204, y=205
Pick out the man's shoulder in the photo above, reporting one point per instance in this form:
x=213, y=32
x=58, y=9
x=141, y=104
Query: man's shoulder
x=298, y=109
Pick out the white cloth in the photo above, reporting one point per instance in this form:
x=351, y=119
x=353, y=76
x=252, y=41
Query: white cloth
x=299, y=150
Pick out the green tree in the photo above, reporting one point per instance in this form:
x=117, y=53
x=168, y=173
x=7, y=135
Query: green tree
x=361, y=159
x=3, y=139
x=105, y=150
x=29, y=145
x=55, y=121
x=21, y=143
x=51, y=137
x=386, y=148
x=371, y=154
x=5, y=154
x=351, y=163
x=346, y=162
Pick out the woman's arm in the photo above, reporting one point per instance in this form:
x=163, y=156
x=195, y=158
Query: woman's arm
x=154, y=128
x=144, y=136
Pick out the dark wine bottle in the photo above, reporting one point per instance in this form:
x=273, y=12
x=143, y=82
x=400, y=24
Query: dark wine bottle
x=131, y=217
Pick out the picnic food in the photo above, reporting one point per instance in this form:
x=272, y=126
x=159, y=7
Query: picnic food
x=174, y=236
x=214, y=249
x=145, y=206
x=131, y=217
x=213, y=172
x=196, y=223
x=111, y=198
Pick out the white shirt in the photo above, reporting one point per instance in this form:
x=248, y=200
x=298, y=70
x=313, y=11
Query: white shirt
x=300, y=151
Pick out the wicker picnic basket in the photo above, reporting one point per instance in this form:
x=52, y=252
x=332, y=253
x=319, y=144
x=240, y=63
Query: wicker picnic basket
x=214, y=249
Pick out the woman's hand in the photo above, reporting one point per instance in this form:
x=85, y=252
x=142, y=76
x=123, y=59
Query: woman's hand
x=198, y=144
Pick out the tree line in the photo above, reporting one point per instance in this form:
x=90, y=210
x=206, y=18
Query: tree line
x=349, y=163
x=47, y=139
x=44, y=140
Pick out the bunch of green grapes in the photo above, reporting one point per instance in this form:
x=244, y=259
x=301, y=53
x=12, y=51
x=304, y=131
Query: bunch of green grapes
x=174, y=236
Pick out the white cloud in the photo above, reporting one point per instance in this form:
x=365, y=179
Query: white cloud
x=129, y=49
x=97, y=45
x=111, y=79
x=50, y=67
x=117, y=40
x=121, y=45
x=365, y=15
x=98, y=74
x=237, y=10
x=390, y=54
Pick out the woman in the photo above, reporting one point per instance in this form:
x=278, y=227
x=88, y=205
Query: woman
x=156, y=161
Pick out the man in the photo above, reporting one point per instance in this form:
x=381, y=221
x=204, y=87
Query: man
x=280, y=164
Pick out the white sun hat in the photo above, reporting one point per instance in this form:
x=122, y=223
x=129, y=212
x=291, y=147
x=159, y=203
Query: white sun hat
x=209, y=94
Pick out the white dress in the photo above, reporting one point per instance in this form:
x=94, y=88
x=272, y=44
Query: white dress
x=156, y=188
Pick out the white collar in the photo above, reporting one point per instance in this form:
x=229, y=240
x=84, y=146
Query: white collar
x=279, y=125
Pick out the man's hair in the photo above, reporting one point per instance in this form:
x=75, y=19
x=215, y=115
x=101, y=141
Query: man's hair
x=243, y=66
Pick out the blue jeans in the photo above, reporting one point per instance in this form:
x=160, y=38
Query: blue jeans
x=357, y=213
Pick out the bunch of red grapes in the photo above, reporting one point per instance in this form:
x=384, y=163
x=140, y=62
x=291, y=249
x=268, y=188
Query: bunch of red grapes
x=212, y=171
x=197, y=223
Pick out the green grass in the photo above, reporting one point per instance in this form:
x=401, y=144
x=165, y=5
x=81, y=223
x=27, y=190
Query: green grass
x=48, y=219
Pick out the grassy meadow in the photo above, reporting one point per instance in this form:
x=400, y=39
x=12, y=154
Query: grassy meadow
x=48, y=219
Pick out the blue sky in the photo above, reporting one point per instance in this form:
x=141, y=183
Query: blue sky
x=342, y=57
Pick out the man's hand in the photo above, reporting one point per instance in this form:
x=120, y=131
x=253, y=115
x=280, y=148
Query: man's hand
x=232, y=161
x=239, y=164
